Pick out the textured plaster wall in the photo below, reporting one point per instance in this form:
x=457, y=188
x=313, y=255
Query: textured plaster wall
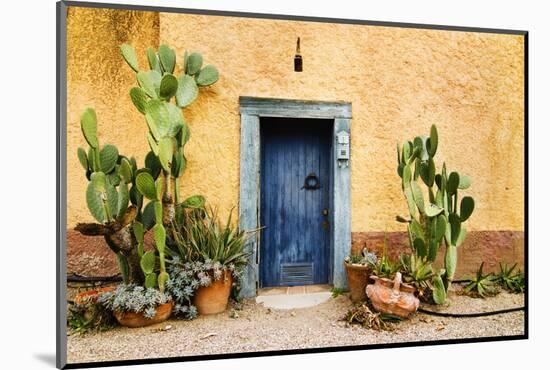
x=98, y=77
x=399, y=82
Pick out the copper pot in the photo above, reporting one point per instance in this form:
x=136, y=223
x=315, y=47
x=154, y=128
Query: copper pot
x=392, y=297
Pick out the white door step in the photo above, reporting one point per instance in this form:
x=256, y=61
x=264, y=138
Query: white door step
x=293, y=301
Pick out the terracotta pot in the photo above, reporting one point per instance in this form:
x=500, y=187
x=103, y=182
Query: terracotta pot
x=137, y=320
x=393, y=297
x=91, y=296
x=358, y=277
x=213, y=298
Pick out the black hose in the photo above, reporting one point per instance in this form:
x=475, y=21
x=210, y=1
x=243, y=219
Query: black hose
x=75, y=278
x=476, y=314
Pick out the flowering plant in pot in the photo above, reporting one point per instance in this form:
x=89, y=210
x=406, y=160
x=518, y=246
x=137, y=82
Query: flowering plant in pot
x=358, y=269
x=207, y=261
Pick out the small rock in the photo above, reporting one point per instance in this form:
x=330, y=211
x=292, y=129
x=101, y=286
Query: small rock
x=439, y=328
x=234, y=314
x=293, y=314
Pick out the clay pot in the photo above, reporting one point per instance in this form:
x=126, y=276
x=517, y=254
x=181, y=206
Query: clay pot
x=393, y=297
x=213, y=298
x=137, y=320
x=358, y=277
x=91, y=296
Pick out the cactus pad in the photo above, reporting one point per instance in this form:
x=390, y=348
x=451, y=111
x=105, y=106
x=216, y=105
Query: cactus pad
x=139, y=98
x=147, y=262
x=159, y=235
x=187, y=91
x=129, y=55
x=452, y=183
x=125, y=170
x=467, y=206
x=168, y=86
x=82, y=158
x=151, y=280
x=146, y=185
x=152, y=163
x=88, y=124
x=153, y=60
x=167, y=58
x=166, y=151
x=108, y=157
x=194, y=64
x=208, y=76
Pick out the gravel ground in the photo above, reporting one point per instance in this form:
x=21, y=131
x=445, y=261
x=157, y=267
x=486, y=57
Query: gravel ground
x=257, y=328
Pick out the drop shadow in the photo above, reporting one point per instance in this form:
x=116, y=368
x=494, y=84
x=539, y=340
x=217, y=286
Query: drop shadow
x=47, y=358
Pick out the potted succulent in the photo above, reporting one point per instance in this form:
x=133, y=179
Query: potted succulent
x=136, y=306
x=358, y=269
x=208, y=259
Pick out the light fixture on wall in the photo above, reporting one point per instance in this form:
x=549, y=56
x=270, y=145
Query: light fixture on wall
x=298, y=58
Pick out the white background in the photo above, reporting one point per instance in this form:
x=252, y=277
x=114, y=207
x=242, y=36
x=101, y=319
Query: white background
x=27, y=181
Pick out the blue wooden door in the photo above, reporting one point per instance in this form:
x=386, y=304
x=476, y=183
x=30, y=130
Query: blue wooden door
x=294, y=245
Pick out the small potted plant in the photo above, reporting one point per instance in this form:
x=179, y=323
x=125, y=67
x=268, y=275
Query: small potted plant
x=208, y=260
x=136, y=306
x=358, y=269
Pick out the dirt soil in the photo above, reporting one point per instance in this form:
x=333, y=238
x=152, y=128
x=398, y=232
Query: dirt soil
x=252, y=327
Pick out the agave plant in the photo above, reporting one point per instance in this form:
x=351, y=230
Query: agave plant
x=481, y=285
x=202, y=237
x=385, y=267
x=509, y=279
x=115, y=180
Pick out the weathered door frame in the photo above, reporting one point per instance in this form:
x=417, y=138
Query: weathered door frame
x=252, y=109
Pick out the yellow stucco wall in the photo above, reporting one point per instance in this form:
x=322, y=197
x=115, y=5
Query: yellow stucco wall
x=98, y=77
x=399, y=82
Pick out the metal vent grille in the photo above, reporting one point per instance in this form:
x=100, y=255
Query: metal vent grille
x=296, y=273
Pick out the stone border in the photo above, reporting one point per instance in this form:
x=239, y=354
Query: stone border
x=252, y=109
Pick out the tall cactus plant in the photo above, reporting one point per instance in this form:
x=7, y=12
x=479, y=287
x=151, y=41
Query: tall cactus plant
x=115, y=180
x=439, y=219
x=160, y=96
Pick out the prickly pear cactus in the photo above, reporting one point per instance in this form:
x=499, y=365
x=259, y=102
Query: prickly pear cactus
x=160, y=96
x=117, y=187
x=439, y=218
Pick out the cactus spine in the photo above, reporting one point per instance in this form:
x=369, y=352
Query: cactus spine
x=440, y=219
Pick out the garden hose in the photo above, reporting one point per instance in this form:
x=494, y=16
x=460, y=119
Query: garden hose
x=475, y=314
